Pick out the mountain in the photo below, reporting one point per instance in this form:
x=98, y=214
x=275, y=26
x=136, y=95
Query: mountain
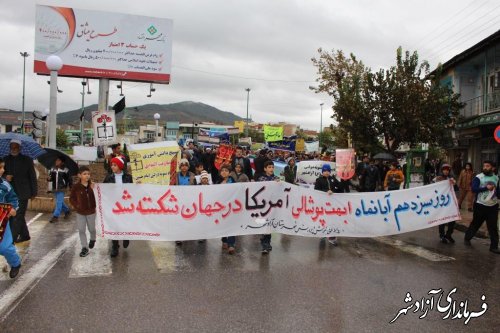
x=184, y=112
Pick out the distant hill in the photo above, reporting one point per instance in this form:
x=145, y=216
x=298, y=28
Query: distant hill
x=184, y=112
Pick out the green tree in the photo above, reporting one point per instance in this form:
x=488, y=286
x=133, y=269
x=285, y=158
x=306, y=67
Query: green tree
x=393, y=106
x=61, y=138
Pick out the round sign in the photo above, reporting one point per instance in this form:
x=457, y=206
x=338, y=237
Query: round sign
x=496, y=134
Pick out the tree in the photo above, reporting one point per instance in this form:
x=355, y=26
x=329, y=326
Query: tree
x=61, y=139
x=398, y=105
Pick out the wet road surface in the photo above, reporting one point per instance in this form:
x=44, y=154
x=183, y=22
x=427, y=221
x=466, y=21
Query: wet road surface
x=304, y=285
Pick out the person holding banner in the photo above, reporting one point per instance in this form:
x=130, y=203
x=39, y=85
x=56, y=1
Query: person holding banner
x=229, y=242
x=7, y=248
x=243, y=161
x=327, y=183
x=183, y=178
x=118, y=176
x=393, y=178
x=268, y=176
x=445, y=175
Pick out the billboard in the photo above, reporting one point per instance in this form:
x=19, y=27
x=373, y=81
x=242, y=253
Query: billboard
x=94, y=44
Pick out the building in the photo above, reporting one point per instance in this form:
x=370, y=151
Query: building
x=475, y=75
x=10, y=121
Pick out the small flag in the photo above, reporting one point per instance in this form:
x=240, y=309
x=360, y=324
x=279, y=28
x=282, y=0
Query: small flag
x=119, y=106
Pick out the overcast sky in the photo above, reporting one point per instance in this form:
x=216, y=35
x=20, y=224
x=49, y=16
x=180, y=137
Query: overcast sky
x=218, y=45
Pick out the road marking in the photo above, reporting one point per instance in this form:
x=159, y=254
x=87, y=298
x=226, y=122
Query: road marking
x=413, y=249
x=24, y=247
x=169, y=257
x=26, y=281
x=34, y=219
x=97, y=263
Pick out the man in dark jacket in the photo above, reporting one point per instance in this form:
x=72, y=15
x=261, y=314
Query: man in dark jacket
x=20, y=172
x=259, y=163
x=243, y=161
x=290, y=171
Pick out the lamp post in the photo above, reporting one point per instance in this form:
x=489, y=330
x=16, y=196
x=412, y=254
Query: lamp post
x=54, y=64
x=24, y=55
x=82, y=120
x=248, y=99
x=157, y=118
x=320, y=125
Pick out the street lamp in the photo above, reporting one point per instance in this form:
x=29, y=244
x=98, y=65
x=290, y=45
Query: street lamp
x=248, y=98
x=82, y=116
x=24, y=55
x=157, y=118
x=54, y=64
x=320, y=125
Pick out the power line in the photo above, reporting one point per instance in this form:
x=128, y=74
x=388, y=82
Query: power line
x=240, y=77
x=451, y=18
x=436, y=54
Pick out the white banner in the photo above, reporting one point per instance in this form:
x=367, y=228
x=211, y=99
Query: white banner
x=168, y=213
x=103, y=45
x=309, y=171
x=104, y=125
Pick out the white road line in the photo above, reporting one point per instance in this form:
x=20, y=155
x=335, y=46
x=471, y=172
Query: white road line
x=26, y=281
x=34, y=219
x=97, y=263
x=169, y=258
x=413, y=249
x=24, y=247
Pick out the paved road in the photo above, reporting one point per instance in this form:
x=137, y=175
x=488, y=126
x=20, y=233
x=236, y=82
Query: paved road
x=304, y=285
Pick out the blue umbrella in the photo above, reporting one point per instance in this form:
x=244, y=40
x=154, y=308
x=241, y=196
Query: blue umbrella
x=29, y=147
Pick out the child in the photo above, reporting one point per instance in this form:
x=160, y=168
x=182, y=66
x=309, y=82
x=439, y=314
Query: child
x=267, y=176
x=183, y=178
x=7, y=248
x=118, y=176
x=204, y=178
x=83, y=200
x=393, y=178
x=238, y=175
x=329, y=184
x=59, y=176
x=227, y=242
x=445, y=175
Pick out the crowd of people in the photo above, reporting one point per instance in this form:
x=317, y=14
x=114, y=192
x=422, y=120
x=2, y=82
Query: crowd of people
x=197, y=166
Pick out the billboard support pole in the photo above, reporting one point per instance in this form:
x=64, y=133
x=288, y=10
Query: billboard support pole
x=103, y=100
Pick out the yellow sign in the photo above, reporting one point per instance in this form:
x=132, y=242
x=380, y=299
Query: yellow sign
x=240, y=124
x=154, y=163
x=300, y=145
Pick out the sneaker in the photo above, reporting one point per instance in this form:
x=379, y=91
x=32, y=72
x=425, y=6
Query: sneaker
x=225, y=246
x=265, y=250
x=22, y=239
x=67, y=215
x=467, y=242
x=91, y=244
x=444, y=240
x=230, y=250
x=14, y=271
x=333, y=241
x=85, y=252
x=126, y=243
x=54, y=219
x=178, y=243
x=496, y=251
x=114, y=252
x=449, y=239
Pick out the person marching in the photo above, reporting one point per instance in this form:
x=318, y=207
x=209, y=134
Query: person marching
x=267, y=176
x=183, y=177
x=83, y=200
x=61, y=180
x=445, y=175
x=116, y=152
x=329, y=184
x=487, y=189
x=7, y=248
x=393, y=178
x=229, y=242
x=118, y=176
x=465, y=186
